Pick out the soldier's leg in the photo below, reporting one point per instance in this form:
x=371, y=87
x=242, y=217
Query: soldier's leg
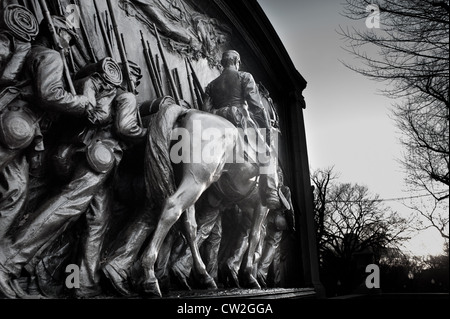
x=52, y=219
x=237, y=251
x=268, y=181
x=13, y=192
x=162, y=265
x=211, y=249
x=126, y=250
x=98, y=218
x=271, y=244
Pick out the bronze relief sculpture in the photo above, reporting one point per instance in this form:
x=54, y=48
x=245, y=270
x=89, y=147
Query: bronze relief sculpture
x=78, y=132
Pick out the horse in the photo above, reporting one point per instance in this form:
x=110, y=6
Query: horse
x=174, y=189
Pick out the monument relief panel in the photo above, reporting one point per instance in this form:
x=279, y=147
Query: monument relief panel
x=146, y=147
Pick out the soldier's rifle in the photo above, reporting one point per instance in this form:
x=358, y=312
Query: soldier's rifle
x=109, y=51
x=166, y=66
x=156, y=68
x=57, y=44
x=80, y=48
x=151, y=66
x=197, y=86
x=191, y=89
x=123, y=54
x=121, y=47
x=86, y=35
x=176, y=77
x=124, y=46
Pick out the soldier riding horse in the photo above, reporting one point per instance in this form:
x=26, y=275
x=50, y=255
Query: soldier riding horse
x=174, y=189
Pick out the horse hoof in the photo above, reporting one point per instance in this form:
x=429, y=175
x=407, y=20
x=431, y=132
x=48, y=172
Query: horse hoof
x=262, y=280
x=151, y=288
x=209, y=283
x=180, y=276
x=251, y=282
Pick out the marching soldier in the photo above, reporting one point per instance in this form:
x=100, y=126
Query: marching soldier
x=50, y=101
x=20, y=133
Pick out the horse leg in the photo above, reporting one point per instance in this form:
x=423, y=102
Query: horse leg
x=186, y=195
x=259, y=215
x=231, y=266
x=206, y=280
x=206, y=217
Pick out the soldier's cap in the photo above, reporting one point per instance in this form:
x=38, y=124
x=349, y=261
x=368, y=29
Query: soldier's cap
x=60, y=24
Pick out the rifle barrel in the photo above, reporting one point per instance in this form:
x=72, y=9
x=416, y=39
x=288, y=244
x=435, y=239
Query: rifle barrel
x=72, y=61
x=155, y=65
x=123, y=55
x=166, y=66
x=109, y=51
x=150, y=66
x=60, y=49
x=60, y=8
x=85, y=34
x=197, y=86
x=191, y=89
x=108, y=28
x=176, y=76
x=120, y=45
x=123, y=41
x=158, y=68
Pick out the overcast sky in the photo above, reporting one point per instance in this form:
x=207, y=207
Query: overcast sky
x=347, y=120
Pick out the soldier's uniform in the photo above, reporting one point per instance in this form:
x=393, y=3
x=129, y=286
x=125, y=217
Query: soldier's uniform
x=19, y=127
x=44, y=68
x=234, y=95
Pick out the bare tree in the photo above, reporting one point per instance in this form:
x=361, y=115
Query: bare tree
x=412, y=57
x=435, y=213
x=351, y=222
x=356, y=221
x=322, y=180
x=350, y=219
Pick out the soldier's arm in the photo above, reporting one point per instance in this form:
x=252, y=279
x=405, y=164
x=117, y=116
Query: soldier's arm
x=101, y=111
x=48, y=72
x=10, y=70
x=253, y=99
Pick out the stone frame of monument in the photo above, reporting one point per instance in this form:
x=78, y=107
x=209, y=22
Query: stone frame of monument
x=220, y=25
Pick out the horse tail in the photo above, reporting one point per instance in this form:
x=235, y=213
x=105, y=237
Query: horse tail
x=159, y=173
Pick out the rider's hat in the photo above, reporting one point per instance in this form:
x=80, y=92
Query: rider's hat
x=230, y=57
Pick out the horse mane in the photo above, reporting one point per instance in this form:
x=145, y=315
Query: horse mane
x=158, y=170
